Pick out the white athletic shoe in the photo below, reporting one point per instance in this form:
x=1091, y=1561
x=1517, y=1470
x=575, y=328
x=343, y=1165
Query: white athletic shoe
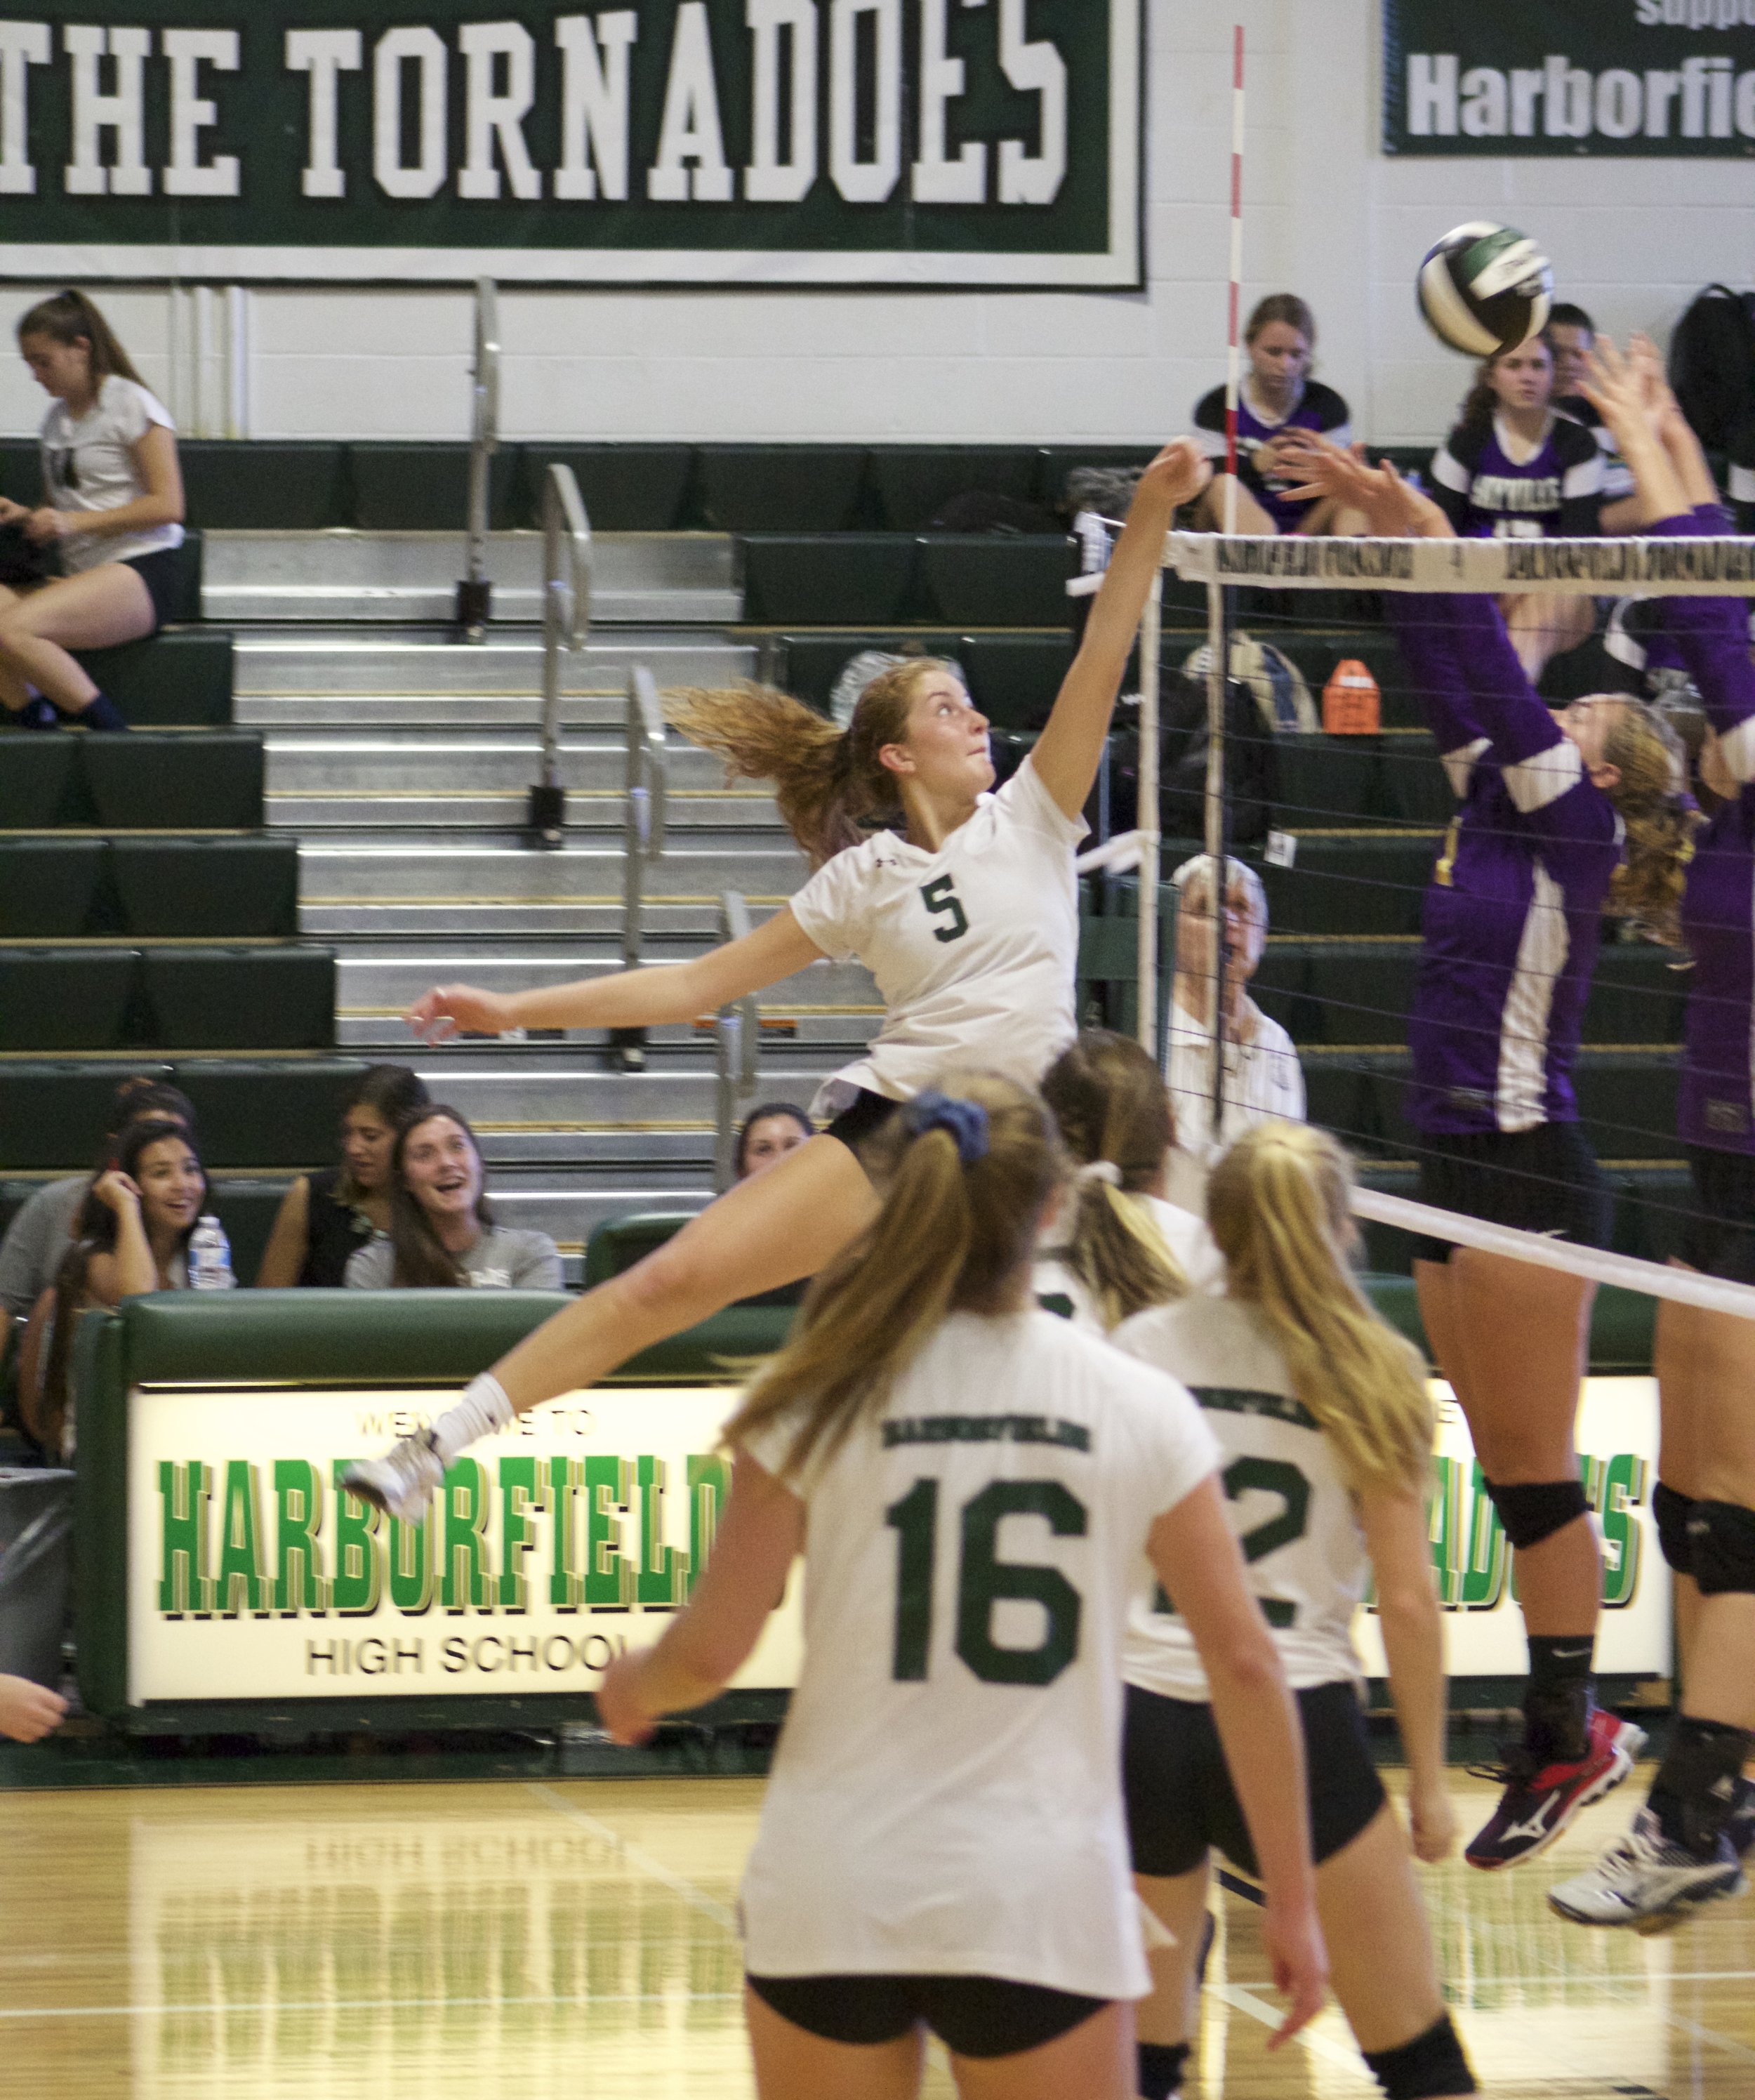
x=1648, y=1881
x=402, y=1482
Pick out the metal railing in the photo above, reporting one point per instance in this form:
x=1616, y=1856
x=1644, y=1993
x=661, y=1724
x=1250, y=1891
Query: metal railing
x=737, y=1043
x=475, y=592
x=644, y=809
x=566, y=624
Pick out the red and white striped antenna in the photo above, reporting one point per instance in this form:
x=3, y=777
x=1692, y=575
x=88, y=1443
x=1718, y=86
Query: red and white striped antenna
x=1234, y=373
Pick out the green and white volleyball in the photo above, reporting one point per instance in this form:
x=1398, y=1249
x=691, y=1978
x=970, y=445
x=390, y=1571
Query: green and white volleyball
x=1484, y=288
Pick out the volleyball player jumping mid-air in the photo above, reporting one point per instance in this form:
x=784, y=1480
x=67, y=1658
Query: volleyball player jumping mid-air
x=972, y=1483
x=1562, y=816
x=968, y=920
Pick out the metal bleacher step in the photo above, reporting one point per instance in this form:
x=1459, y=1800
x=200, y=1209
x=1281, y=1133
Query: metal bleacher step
x=680, y=579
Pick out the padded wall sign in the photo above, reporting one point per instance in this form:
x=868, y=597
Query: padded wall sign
x=954, y=142
x=1665, y=79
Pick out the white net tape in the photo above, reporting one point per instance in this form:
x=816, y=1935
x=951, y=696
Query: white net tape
x=1653, y=1278
x=1585, y=568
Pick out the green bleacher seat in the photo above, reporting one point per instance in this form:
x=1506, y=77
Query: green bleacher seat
x=1627, y=1103
x=1014, y=679
x=266, y=484
x=811, y=664
x=1651, y=1210
x=241, y=999
x=401, y=486
x=41, y=783
x=219, y=887
x=1337, y=1097
x=209, y=782
x=998, y=580
x=1638, y=994
x=21, y=470
x=247, y=1207
x=53, y=1116
x=833, y=580
x=265, y=1115
x=1327, y=780
x=618, y=1243
x=624, y=488
x=52, y=889
x=1055, y=462
x=778, y=488
x=1413, y=786
x=1338, y=993
x=1352, y=884
x=76, y=999
x=913, y=483
x=181, y=679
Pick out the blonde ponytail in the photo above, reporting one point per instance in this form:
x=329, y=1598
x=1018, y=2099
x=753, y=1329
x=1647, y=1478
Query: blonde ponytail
x=830, y=784
x=1277, y=1204
x=1109, y=1101
x=954, y=1235
x=1660, y=818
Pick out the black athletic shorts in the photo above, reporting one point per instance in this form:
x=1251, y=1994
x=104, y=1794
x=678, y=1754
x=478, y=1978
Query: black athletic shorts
x=1181, y=1803
x=863, y=1117
x=979, y=2016
x=162, y=572
x=1540, y=1180
x=1720, y=1241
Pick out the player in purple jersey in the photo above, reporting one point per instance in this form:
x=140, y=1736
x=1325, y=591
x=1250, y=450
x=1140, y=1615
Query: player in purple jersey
x=1550, y=806
x=1278, y=397
x=1686, y=1845
x=1516, y=469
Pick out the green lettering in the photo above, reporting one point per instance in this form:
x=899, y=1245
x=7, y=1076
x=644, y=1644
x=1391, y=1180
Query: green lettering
x=411, y=1565
x=566, y=1588
x=1625, y=1481
x=359, y=1580
x=298, y=1583
x=663, y=1571
x=609, y=1573
x=241, y=1585
x=465, y=1580
x=185, y=1587
x=519, y=1494
x=709, y=1478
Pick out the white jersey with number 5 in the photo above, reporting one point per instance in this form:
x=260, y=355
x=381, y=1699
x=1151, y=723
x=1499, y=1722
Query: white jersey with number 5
x=974, y=947
x=945, y=1799
x=1286, y=1495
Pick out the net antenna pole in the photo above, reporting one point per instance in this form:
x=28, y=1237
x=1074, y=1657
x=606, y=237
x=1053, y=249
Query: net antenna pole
x=1234, y=363
x=1217, y=843
x=1151, y=658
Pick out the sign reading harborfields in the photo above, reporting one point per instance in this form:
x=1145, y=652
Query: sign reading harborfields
x=748, y=142
x=1665, y=78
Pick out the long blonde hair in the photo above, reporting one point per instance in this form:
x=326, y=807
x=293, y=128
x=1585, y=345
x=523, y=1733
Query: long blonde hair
x=830, y=784
x=1112, y=1106
x=1659, y=817
x=952, y=1236
x=1277, y=1204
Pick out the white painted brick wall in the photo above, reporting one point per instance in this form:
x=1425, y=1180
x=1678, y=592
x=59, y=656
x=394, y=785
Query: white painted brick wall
x=1328, y=216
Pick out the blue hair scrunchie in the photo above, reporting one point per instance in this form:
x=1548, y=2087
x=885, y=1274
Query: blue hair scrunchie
x=966, y=1121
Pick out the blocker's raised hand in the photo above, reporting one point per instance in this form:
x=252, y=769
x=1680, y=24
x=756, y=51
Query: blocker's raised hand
x=452, y=1010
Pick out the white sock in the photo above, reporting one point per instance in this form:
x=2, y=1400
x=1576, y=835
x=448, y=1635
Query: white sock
x=483, y=1408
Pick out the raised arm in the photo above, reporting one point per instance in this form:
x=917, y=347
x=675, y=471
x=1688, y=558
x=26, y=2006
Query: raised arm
x=703, y=1647
x=1070, y=750
x=1413, y=1640
x=624, y=999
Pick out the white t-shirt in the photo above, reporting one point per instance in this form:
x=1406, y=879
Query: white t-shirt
x=1288, y=1500
x=1190, y=1244
x=945, y=1800
x=974, y=947
x=504, y=1258
x=1264, y=1079
x=88, y=464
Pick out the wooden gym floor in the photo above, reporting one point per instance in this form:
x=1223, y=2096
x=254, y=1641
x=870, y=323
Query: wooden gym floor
x=577, y=1939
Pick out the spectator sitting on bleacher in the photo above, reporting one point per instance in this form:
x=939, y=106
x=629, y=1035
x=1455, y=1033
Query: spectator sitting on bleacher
x=441, y=1231
x=325, y=1218
x=113, y=512
x=1569, y=335
x=132, y=1236
x=36, y=1239
x=1263, y=1078
x=1277, y=395
x=769, y=1133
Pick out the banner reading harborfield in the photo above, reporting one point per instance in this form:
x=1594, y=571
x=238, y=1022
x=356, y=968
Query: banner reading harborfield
x=734, y=141
x=1668, y=79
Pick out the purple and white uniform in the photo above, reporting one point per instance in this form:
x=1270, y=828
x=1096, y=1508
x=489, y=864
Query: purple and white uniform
x=1487, y=494
x=1319, y=408
x=1513, y=914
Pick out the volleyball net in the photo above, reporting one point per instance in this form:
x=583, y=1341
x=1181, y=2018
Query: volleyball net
x=1344, y=825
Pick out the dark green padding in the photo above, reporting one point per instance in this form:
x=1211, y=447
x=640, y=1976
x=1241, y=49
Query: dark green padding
x=219, y=887
x=270, y=1115
x=265, y=485
x=1358, y=884
x=247, y=1209
x=76, y=999
x=624, y=488
x=1638, y=994
x=778, y=488
x=830, y=580
x=913, y=483
x=180, y=679
x=53, y=1117
x=198, y=782
x=1015, y=679
x=1627, y=1103
x=995, y=580
x=42, y=784
x=52, y=889
x=241, y=999
x=400, y=487
x=1326, y=780
x=1414, y=787
x=21, y=470
x=1055, y=462
x=618, y=1243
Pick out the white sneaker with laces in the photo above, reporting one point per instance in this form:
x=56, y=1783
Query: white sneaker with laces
x=402, y=1481
x=1646, y=1880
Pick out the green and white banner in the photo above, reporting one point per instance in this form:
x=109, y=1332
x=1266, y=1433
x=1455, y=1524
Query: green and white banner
x=1668, y=79
x=925, y=143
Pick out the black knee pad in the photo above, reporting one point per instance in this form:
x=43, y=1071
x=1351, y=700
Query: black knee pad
x=1432, y=2063
x=1535, y=1510
x=1670, y=1512
x=1722, y=1535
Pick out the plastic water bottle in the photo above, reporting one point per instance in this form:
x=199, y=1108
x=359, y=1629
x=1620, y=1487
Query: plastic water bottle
x=210, y=1256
